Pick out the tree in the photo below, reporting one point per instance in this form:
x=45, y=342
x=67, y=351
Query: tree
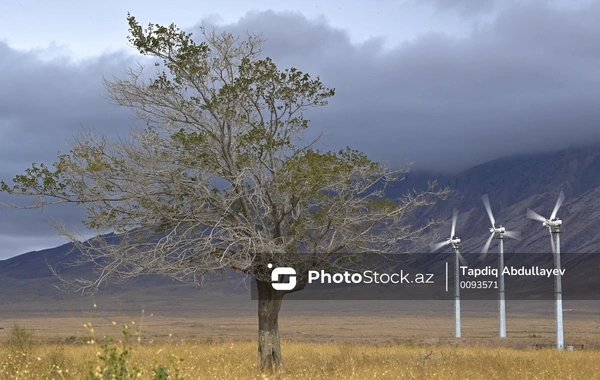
x=219, y=177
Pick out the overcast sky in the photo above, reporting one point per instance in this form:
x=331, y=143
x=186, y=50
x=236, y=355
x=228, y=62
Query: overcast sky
x=445, y=84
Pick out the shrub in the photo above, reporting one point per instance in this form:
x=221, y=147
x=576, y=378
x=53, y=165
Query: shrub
x=20, y=340
x=114, y=362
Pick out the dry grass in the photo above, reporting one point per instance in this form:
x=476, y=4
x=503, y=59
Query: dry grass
x=408, y=343
x=309, y=361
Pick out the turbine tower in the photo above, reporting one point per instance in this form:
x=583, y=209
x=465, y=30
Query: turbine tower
x=500, y=232
x=455, y=241
x=554, y=226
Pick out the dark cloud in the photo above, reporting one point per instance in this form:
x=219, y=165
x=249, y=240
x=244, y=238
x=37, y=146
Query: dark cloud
x=528, y=81
x=43, y=104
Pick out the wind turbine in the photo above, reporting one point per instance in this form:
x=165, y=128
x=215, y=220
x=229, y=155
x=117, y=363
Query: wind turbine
x=501, y=232
x=554, y=224
x=455, y=241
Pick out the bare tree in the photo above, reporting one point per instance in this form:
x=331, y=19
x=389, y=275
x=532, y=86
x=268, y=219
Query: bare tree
x=219, y=178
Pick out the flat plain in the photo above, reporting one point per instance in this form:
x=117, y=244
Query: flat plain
x=213, y=336
x=233, y=318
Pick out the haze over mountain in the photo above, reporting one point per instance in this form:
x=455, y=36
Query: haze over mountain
x=513, y=184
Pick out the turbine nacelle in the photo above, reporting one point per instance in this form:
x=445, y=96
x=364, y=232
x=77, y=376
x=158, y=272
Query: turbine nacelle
x=500, y=230
x=455, y=241
x=552, y=223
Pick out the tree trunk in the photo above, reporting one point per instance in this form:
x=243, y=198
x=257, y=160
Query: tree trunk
x=269, y=349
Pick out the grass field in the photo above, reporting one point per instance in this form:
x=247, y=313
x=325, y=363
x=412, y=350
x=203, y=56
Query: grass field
x=320, y=341
x=304, y=361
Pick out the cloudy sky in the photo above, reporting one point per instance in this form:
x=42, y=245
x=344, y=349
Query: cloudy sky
x=445, y=84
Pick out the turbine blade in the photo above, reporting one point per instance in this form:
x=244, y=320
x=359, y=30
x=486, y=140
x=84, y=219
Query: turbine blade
x=535, y=216
x=486, y=247
x=559, y=202
x=439, y=245
x=513, y=234
x=462, y=259
x=454, y=217
x=553, y=245
x=486, y=203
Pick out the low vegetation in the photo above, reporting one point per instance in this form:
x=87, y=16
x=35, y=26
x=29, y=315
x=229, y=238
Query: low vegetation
x=129, y=359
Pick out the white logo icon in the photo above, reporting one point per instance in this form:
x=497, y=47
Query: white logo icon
x=283, y=271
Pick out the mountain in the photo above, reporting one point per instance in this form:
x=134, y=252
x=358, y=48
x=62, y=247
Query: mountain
x=513, y=184
x=27, y=278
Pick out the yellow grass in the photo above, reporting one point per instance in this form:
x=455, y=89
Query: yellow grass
x=310, y=361
x=320, y=347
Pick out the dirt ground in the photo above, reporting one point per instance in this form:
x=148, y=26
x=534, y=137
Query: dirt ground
x=233, y=318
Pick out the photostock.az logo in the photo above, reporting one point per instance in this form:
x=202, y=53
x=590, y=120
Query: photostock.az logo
x=288, y=273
